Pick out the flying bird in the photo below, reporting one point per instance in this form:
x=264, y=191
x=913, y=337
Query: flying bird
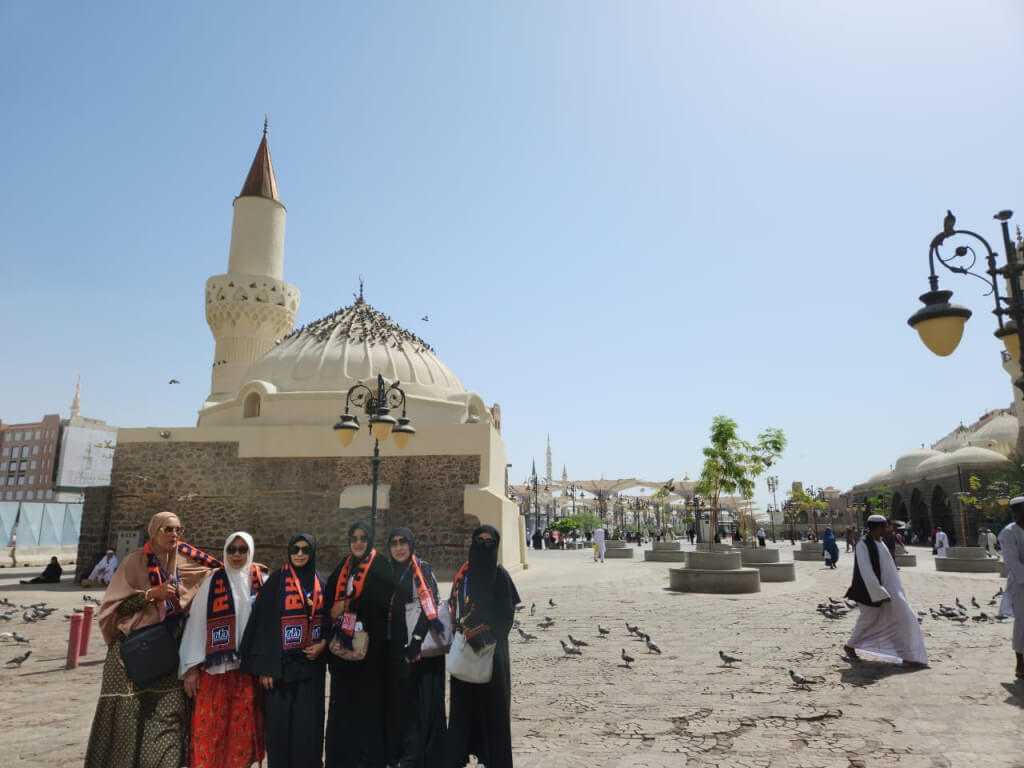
x=174, y=381
x=19, y=660
x=570, y=650
x=729, y=660
x=626, y=658
x=425, y=318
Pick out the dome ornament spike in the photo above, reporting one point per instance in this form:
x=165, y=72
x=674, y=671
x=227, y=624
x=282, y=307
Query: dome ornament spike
x=265, y=123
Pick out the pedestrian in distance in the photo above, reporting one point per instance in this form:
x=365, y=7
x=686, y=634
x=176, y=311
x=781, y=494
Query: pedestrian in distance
x=1011, y=540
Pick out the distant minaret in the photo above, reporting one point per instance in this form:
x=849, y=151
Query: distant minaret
x=76, y=404
x=565, y=475
x=250, y=308
x=549, y=476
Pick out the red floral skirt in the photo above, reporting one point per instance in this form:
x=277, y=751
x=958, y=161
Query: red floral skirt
x=227, y=723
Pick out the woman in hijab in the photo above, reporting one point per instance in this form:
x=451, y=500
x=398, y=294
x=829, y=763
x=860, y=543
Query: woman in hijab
x=282, y=644
x=227, y=725
x=360, y=592
x=830, y=548
x=483, y=605
x=145, y=726
x=416, y=692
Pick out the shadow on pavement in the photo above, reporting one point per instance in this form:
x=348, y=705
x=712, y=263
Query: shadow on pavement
x=1016, y=691
x=867, y=672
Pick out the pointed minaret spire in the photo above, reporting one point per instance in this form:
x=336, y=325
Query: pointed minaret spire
x=533, y=468
x=76, y=404
x=261, y=181
x=548, y=464
x=565, y=475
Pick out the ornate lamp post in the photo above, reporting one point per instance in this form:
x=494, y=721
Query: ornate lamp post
x=941, y=324
x=382, y=425
x=533, y=484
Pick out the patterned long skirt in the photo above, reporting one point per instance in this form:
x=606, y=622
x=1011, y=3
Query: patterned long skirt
x=137, y=728
x=227, y=722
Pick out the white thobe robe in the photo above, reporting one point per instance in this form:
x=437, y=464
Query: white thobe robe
x=599, y=540
x=990, y=544
x=104, y=570
x=1011, y=539
x=890, y=630
x=941, y=542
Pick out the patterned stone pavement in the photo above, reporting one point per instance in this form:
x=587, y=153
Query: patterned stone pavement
x=682, y=708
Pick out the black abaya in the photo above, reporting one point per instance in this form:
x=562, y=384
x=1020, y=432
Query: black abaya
x=415, y=703
x=480, y=716
x=293, y=712
x=356, y=717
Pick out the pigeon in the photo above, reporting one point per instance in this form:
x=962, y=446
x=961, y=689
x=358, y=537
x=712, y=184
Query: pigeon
x=29, y=617
x=533, y=608
x=526, y=635
x=652, y=647
x=631, y=630
x=552, y=603
x=601, y=631
x=834, y=601
x=626, y=658
x=998, y=594
x=19, y=660
x=549, y=618
x=4, y=617
x=958, y=619
x=998, y=617
x=993, y=601
x=546, y=624
x=570, y=650
x=956, y=601
x=174, y=381
x=578, y=643
x=729, y=660
x=19, y=638
x=974, y=602
x=425, y=318
x=804, y=682
x=7, y=635
x=948, y=223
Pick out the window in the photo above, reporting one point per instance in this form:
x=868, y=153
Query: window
x=30, y=495
x=32, y=465
x=12, y=479
x=22, y=465
x=37, y=434
x=21, y=479
x=17, y=437
x=6, y=451
x=49, y=493
x=19, y=495
x=35, y=450
x=31, y=479
x=251, y=409
x=8, y=495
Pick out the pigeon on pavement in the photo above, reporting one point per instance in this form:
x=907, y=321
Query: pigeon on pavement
x=533, y=608
x=570, y=650
x=626, y=658
x=546, y=624
x=19, y=660
x=601, y=631
x=526, y=635
x=577, y=643
x=552, y=603
x=652, y=647
x=974, y=602
x=804, y=682
x=729, y=660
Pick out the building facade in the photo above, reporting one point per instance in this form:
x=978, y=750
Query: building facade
x=29, y=457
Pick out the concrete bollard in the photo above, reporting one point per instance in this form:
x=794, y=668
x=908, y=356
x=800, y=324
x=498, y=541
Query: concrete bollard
x=83, y=645
x=74, y=639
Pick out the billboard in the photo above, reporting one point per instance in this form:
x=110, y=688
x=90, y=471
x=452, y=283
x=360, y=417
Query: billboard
x=86, y=455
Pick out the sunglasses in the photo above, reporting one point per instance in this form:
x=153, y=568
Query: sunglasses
x=358, y=538
x=172, y=529
x=238, y=550
x=295, y=549
x=400, y=542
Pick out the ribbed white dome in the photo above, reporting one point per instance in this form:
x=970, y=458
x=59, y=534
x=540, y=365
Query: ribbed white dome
x=999, y=431
x=967, y=455
x=909, y=462
x=352, y=345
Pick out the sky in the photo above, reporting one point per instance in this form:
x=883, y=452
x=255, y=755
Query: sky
x=622, y=218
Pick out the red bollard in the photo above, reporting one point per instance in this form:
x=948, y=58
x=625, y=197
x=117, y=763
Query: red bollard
x=74, y=638
x=83, y=644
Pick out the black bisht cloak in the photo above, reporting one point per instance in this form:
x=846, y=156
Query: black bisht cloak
x=356, y=723
x=480, y=716
x=293, y=711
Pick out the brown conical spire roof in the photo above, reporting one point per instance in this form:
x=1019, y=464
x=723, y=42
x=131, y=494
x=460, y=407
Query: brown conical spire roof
x=261, y=181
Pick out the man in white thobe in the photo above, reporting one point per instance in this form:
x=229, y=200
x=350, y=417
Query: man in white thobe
x=890, y=629
x=599, y=539
x=103, y=572
x=990, y=542
x=1011, y=539
x=941, y=542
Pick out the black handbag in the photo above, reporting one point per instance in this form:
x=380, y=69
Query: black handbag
x=149, y=654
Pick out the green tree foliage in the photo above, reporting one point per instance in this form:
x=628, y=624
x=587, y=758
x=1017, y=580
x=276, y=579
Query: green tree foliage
x=804, y=505
x=732, y=464
x=581, y=521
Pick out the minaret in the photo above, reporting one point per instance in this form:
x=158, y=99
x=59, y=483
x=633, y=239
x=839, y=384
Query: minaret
x=250, y=308
x=548, y=476
x=76, y=404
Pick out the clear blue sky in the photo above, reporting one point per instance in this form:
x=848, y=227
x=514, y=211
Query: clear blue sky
x=623, y=218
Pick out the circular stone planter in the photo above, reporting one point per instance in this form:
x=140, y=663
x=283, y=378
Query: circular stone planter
x=967, y=560
x=715, y=572
x=665, y=556
x=618, y=549
x=766, y=561
x=809, y=551
x=667, y=546
x=758, y=556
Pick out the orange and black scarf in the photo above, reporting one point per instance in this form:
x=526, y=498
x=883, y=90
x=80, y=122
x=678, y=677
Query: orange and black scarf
x=423, y=593
x=157, y=574
x=221, y=635
x=462, y=608
x=301, y=613
x=345, y=625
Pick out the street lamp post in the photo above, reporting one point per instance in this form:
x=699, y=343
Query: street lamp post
x=382, y=425
x=941, y=324
x=773, y=486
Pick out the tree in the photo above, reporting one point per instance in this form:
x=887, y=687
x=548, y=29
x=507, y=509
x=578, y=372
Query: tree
x=581, y=521
x=806, y=504
x=731, y=464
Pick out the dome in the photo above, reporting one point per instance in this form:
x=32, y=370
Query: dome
x=999, y=432
x=967, y=455
x=350, y=346
x=908, y=462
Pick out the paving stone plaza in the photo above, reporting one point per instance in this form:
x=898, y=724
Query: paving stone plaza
x=684, y=707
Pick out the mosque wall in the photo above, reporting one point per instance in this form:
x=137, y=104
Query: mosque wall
x=215, y=491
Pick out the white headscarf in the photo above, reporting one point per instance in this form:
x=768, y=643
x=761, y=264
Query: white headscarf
x=193, y=642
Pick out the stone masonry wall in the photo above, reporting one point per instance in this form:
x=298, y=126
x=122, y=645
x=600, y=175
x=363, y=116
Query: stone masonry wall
x=94, y=534
x=214, y=492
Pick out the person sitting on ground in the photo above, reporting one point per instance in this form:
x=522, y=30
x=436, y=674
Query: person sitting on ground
x=50, y=575
x=103, y=572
